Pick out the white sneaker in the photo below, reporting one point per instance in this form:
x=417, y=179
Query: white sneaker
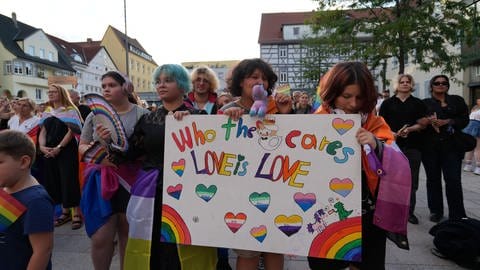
x=469, y=168
x=477, y=171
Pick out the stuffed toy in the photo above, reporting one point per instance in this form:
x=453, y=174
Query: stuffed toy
x=259, y=106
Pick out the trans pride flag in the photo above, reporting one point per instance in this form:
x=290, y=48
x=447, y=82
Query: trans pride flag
x=10, y=210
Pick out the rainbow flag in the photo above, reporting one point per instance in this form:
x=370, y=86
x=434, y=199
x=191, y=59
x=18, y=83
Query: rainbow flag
x=10, y=210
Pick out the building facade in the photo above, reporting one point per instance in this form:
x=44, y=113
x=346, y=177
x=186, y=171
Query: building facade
x=28, y=58
x=140, y=64
x=281, y=37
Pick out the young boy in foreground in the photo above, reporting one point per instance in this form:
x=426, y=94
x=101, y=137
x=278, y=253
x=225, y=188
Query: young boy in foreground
x=25, y=207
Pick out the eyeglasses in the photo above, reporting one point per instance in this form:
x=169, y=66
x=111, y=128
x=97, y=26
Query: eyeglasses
x=404, y=82
x=202, y=80
x=440, y=83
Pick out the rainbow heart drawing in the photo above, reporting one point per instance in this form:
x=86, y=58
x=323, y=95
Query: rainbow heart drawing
x=234, y=222
x=259, y=233
x=175, y=191
x=179, y=167
x=305, y=201
x=342, y=187
x=342, y=126
x=205, y=193
x=260, y=200
x=289, y=225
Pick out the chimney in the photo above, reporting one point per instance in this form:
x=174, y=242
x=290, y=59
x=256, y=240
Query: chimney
x=89, y=40
x=14, y=19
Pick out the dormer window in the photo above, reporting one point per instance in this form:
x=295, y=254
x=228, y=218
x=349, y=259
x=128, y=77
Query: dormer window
x=31, y=50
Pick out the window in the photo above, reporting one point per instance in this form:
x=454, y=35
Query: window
x=41, y=73
x=8, y=67
x=283, y=76
x=38, y=94
x=41, y=53
x=477, y=71
x=17, y=68
x=282, y=51
x=296, y=31
x=31, y=50
x=29, y=69
x=50, y=56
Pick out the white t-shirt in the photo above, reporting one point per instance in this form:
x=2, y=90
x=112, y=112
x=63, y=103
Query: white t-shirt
x=26, y=126
x=475, y=115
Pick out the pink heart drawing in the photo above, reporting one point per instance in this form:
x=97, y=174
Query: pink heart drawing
x=175, y=191
x=342, y=126
x=342, y=187
x=305, y=201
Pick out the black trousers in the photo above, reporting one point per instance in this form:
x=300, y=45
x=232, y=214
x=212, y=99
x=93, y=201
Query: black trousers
x=438, y=160
x=414, y=157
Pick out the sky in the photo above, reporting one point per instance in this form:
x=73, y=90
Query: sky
x=171, y=31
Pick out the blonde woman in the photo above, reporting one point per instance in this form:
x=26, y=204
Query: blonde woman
x=203, y=95
x=60, y=122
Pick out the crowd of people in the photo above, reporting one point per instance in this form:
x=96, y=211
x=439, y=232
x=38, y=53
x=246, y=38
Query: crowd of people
x=41, y=149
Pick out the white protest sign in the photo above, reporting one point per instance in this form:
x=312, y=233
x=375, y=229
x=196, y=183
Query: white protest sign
x=285, y=184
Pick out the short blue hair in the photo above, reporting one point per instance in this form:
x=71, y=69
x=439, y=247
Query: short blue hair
x=176, y=72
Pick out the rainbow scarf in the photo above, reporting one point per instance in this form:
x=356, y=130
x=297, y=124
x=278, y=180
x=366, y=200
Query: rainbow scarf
x=10, y=210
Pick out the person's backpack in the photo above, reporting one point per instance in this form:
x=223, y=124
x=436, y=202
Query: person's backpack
x=458, y=240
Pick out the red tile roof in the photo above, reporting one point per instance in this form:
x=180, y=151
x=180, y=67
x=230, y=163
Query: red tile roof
x=272, y=23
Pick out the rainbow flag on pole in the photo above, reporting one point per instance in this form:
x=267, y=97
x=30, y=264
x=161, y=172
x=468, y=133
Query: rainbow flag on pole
x=10, y=210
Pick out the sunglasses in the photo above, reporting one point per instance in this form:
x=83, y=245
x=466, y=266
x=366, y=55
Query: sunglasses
x=440, y=83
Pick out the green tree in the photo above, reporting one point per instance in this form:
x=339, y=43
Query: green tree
x=425, y=32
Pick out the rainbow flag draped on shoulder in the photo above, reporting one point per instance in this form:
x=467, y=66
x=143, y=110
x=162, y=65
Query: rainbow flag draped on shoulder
x=68, y=115
x=10, y=210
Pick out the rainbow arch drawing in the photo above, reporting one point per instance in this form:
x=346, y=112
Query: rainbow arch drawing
x=341, y=240
x=174, y=229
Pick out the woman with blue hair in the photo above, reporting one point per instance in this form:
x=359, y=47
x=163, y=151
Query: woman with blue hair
x=144, y=211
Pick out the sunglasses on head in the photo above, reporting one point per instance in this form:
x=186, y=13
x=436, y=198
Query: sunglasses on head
x=440, y=83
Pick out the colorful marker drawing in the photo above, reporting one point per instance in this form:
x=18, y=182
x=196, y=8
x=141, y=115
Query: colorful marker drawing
x=305, y=201
x=174, y=229
x=342, y=126
x=205, y=193
x=259, y=233
x=289, y=225
x=179, y=167
x=341, y=240
x=175, y=191
x=235, y=222
x=342, y=187
x=260, y=200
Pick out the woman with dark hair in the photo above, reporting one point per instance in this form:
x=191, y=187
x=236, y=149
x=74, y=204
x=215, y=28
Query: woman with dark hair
x=402, y=113
x=448, y=114
x=245, y=76
x=348, y=88
x=60, y=123
x=117, y=90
